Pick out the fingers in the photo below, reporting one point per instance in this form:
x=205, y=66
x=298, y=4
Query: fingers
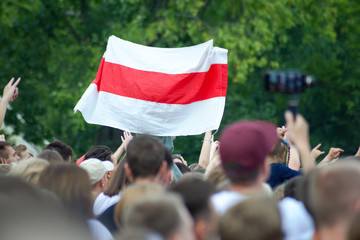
x=11, y=81
x=317, y=146
x=289, y=118
x=17, y=81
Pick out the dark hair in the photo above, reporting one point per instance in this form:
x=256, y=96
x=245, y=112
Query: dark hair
x=292, y=187
x=239, y=175
x=145, y=155
x=4, y=152
x=196, y=195
x=117, y=181
x=64, y=150
x=100, y=152
x=182, y=167
x=168, y=159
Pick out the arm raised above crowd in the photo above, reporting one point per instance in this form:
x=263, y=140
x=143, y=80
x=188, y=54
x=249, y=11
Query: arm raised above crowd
x=126, y=138
x=204, y=157
x=298, y=133
x=10, y=93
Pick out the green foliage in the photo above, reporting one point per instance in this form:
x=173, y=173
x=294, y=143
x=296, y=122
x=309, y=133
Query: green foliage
x=56, y=47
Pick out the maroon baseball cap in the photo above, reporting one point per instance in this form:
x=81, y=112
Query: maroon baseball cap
x=244, y=145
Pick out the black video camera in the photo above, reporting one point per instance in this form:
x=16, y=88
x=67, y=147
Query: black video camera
x=291, y=82
x=288, y=82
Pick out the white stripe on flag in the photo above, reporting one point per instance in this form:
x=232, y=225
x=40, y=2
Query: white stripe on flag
x=192, y=59
x=152, y=118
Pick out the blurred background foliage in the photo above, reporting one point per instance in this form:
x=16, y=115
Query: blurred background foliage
x=56, y=47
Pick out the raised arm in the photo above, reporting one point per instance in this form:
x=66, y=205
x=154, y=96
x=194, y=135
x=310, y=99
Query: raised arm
x=204, y=157
x=332, y=155
x=126, y=138
x=298, y=133
x=10, y=93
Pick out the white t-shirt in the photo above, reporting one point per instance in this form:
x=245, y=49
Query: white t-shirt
x=98, y=230
x=103, y=202
x=226, y=199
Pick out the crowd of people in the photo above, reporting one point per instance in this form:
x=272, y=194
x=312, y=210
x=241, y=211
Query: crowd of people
x=258, y=181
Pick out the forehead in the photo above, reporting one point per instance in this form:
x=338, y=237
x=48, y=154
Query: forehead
x=10, y=149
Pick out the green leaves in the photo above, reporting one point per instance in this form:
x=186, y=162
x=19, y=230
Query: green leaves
x=56, y=47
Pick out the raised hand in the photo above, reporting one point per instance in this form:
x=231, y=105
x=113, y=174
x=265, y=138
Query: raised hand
x=11, y=92
x=126, y=138
x=315, y=152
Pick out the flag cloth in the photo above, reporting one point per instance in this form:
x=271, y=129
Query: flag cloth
x=157, y=91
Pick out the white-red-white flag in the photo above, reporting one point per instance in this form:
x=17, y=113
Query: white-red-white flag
x=157, y=91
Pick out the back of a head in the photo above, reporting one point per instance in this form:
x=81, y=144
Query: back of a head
x=71, y=184
x=332, y=192
x=163, y=214
x=244, y=147
x=52, y=156
x=102, y=153
x=145, y=155
x=29, y=169
x=196, y=194
x=27, y=213
x=252, y=219
x=64, y=150
x=131, y=194
x=292, y=188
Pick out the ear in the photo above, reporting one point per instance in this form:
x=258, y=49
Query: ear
x=128, y=172
x=164, y=174
x=102, y=182
x=3, y=160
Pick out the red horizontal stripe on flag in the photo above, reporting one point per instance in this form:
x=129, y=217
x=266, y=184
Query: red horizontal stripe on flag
x=158, y=87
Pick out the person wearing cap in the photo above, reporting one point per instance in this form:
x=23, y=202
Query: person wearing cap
x=244, y=147
x=97, y=171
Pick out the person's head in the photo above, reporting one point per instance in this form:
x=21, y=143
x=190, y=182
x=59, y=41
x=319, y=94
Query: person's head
x=252, y=219
x=244, y=147
x=30, y=213
x=64, y=150
x=51, y=156
x=29, y=169
x=131, y=194
x=196, y=194
x=21, y=151
x=195, y=167
x=7, y=153
x=182, y=167
x=333, y=193
x=100, y=152
x=147, y=158
x=162, y=213
x=278, y=152
x=291, y=187
x=97, y=171
x=71, y=184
